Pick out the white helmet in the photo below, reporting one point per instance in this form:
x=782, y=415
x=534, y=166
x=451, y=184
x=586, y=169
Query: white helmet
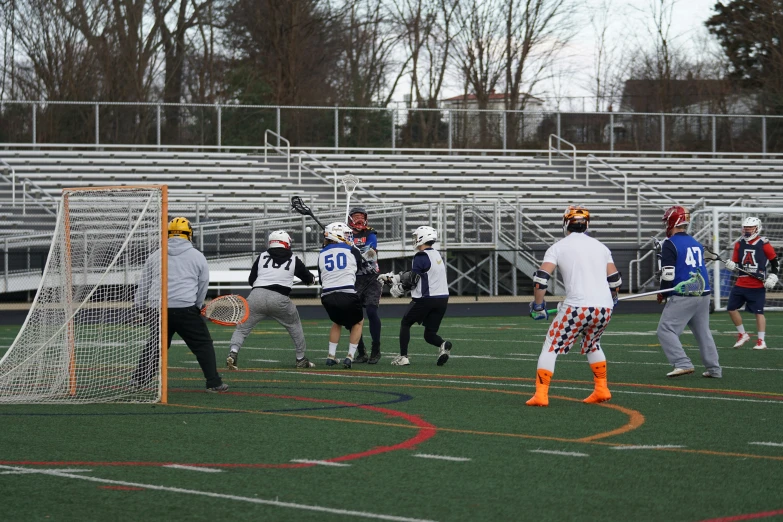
x=424, y=235
x=339, y=232
x=280, y=238
x=751, y=222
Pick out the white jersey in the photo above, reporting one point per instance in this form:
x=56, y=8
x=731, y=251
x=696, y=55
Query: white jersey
x=432, y=275
x=337, y=266
x=581, y=261
x=271, y=271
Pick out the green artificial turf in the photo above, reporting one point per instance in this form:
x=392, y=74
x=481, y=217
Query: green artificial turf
x=703, y=460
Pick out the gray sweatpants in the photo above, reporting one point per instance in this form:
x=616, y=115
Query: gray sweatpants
x=694, y=312
x=267, y=303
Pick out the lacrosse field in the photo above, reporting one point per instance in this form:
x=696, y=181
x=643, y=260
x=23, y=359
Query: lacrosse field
x=420, y=442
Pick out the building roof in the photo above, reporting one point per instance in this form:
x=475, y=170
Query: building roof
x=493, y=96
x=649, y=95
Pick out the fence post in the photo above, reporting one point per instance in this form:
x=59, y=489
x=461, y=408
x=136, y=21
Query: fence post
x=764, y=135
x=663, y=135
x=559, y=134
x=157, y=124
x=5, y=263
x=219, y=126
x=336, y=128
x=277, y=116
x=97, y=124
x=714, y=135
x=505, y=128
x=611, y=134
x=451, y=113
x=393, y=128
x=35, y=131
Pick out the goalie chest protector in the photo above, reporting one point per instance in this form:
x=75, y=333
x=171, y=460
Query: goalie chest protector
x=274, y=271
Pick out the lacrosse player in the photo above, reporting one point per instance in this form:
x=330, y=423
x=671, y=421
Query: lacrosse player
x=367, y=285
x=188, y=279
x=271, y=278
x=591, y=282
x=337, y=265
x=751, y=253
x=681, y=254
x=430, y=292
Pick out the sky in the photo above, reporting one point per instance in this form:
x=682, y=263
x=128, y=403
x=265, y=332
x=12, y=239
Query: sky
x=627, y=27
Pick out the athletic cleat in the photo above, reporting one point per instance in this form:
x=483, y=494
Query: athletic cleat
x=443, y=353
x=361, y=358
x=679, y=371
x=347, y=362
x=232, y=360
x=760, y=345
x=711, y=375
x=218, y=389
x=400, y=360
x=538, y=400
x=374, y=358
x=741, y=339
x=598, y=395
x=304, y=362
x=331, y=361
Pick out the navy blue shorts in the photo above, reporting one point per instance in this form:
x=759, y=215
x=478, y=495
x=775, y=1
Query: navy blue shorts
x=752, y=298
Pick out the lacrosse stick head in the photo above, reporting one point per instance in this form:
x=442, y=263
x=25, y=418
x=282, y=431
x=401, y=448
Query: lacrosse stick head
x=694, y=286
x=299, y=206
x=350, y=182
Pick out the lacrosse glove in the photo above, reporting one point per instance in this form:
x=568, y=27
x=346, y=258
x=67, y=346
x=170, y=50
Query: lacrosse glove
x=389, y=278
x=538, y=311
x=731, y=265
x=661, y=298
x=397, y=290
x=771, y=281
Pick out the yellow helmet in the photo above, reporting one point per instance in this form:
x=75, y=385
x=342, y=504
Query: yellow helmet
x=180, y=227
x=575, y=219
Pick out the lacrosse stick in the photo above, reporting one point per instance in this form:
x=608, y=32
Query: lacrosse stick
x=299, y=206
x=712, y=256
x=227, y=310
x=694, y=286
x=350, y=182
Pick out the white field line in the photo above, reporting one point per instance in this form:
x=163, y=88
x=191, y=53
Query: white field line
x=193, y=468
x=235, y=498
x=531, y=385
x=645, y=351
x=441, y=457
x=563, y=453
x=265, y=360
x=773, y=444
x=659, y=446
x=322, y=463
x=26, y=471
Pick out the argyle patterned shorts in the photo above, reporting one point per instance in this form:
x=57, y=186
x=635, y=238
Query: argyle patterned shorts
x=571, y=322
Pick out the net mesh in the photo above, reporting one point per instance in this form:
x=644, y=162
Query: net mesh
x=721, y=238
x=227, y=310
x=695, y=285
x=84, y=339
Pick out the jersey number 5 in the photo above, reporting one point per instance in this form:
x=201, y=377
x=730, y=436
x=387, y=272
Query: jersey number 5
x=693, y=257
x=341, y=260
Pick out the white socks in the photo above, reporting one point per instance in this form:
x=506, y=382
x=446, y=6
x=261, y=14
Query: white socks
x=332, y=349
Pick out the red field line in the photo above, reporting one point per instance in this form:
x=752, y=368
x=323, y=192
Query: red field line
x=749, y=516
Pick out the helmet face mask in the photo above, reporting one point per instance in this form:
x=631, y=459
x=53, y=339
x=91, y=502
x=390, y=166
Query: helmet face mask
x=357, y=218
x=751, y=228
x=575, y=219
x=280, y=239
x=180, y=227
x=339, y=233
x=674, y=217
x=424, y=235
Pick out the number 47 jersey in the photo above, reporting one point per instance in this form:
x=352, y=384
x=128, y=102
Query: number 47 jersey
x=337, y=264
x=689, y=258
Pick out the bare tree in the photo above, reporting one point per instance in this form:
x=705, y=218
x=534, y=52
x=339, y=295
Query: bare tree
x=608, y=61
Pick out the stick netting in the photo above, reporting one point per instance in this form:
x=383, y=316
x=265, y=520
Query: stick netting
x=720, y=228
x=84, y=336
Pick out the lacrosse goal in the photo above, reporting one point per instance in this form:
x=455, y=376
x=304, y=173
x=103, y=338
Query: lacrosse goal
x=83, y=337
x=719, y=227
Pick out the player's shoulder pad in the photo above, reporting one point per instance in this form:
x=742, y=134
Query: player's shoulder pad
x=763, y=240
x=370, y=229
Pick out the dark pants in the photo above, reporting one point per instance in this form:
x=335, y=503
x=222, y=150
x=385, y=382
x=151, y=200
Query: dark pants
x=428, y=312
x=188, y=324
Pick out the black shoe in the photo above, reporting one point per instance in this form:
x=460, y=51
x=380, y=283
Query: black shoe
x=374, y=358
x=218, y=389
x=361, y=358
x=232, y=361
x=443, y=353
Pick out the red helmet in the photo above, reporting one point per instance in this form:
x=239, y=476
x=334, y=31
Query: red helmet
x=675, y=216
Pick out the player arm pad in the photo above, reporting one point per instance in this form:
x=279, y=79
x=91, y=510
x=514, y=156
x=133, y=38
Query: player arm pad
x=541, y=279
x=409, y=279
x=773, y=265
x=614, y=280
x=667, y=273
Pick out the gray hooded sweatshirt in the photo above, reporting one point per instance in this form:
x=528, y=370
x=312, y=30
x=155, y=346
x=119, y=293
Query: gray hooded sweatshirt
x=188, y=277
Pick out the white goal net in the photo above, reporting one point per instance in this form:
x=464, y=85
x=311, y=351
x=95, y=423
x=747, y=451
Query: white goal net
x=719, y=227
x=84, y=339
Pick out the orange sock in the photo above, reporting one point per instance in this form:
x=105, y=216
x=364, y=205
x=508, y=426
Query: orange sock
x=541, y=397
x=601, y=391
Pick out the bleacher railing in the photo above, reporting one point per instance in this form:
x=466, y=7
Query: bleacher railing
x=226, y=126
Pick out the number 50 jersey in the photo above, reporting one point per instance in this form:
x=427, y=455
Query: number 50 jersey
x=337, y=265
